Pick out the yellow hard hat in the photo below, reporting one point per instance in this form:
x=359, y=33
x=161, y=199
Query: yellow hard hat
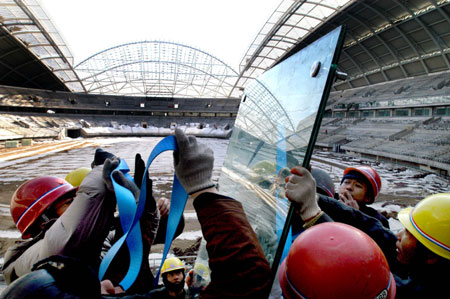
x=429, y=222
x=75, y=177
x=202, y=270
x=172, y=264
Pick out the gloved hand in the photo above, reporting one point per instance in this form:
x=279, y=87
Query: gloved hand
x=120, y=179
x=139, y=169
x=301, y=189
x=108, y=167
x=100, y=157
x=193, y=163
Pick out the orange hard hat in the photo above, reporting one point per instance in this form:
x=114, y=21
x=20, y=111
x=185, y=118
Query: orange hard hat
x=33, y=197
x=335, y=260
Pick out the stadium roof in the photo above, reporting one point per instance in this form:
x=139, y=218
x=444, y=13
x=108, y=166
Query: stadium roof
x=386, y=40
x=157, y=68
x=32, y=52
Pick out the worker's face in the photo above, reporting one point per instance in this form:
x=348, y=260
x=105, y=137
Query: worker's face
x=406, y=247
x=357, y=189
x=61, y=205
x=175, y=277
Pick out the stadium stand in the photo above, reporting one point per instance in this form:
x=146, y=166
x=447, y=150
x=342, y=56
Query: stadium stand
x=394, y=103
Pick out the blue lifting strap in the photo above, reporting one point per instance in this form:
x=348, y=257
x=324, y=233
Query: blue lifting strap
x=177, y=201
x=130, y=215
x=282, y=202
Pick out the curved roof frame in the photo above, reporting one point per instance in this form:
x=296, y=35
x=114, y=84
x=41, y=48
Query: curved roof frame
x=157, y=68
x=402, y=34
x=93, y=90
x=371, y=48
x=433, y=36
x=27, y=21
x=411, y=16
x=290, y=22
x=261, y=102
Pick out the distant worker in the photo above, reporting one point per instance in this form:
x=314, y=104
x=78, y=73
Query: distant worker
x=197, y=279
x=359, y=187
x=75, y=177
x=173, y=273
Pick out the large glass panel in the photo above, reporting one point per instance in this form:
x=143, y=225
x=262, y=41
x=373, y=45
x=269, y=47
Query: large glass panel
x=271, y=135
x=276, y=126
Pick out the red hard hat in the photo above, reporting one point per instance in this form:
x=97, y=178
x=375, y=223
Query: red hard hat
x=371, y=175
x=335, y=260
x=33, y=197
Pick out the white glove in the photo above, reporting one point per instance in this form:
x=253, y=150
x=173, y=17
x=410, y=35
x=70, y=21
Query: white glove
x=193, y=163
x=301, y=189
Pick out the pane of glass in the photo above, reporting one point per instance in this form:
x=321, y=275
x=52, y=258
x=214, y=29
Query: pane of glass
x=271, y=135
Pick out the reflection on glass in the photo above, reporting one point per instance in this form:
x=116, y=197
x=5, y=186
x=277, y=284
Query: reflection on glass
x=271, y=135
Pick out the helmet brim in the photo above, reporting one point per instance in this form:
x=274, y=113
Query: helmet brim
x=174, y=269
x=285, y=288
x=392, y=291
x=406, y=218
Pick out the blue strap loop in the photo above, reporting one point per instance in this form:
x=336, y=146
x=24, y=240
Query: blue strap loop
x=177, y=201
x=130, y=215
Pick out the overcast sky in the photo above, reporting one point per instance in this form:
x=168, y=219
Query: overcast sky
x=223, y=29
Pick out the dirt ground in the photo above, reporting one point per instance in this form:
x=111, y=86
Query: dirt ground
x=180, y=246
x=8, y=189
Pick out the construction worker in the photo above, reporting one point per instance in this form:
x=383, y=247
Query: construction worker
x=60, y=222
x=173, y=274
x=38, y=207
x=419, y=256
x=359, y=187
x=342, y=258
x=197, y=279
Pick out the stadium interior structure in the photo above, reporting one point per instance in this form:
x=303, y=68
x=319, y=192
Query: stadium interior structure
x=394, y=103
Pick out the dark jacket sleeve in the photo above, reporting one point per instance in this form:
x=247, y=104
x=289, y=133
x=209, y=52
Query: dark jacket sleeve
x=237, y=262
x=375, y=214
